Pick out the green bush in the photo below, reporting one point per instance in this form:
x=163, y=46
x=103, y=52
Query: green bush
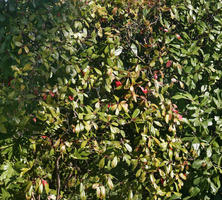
x=110, y=99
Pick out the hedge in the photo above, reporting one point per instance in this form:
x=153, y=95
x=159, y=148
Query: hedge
x=116, y=99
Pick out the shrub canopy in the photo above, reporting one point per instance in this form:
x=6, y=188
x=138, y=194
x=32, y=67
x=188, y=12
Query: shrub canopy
x=110, y=99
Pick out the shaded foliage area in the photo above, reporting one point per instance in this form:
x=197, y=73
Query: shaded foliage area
x=110, y=99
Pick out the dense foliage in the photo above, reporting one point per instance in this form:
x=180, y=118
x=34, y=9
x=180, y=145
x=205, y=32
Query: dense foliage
x=116, y=99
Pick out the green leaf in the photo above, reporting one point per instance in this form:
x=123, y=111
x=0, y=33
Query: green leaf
x=197, y=164
x=18, y=44
x=118, y=51
x=152, y=63
x=40, y=189
x=8, y=172
x=83, y=144
x=134, y=48
x=65, y=57
x=2, y=18
x=23, y=171
x=5, y=194
x=135, y=113
x=158, y=123
x=128, y=147
x=30, y=190
x=3, y=129
x=114, y=162
x=178, y=96
x=138, y=173
x=98, y=71
x=101, y=163
x=47, y=188
x=175, y=196
x=194, y=191
x=209, y=152
x=211, y=37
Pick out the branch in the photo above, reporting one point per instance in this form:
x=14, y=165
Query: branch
x=67, y=181
x=58, y=178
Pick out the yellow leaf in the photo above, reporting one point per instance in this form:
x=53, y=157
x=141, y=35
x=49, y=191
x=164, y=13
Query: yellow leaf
x=110, y=183
x=20, y=51
x=114, y=162
x=167, y=118
x=27, y=67
x=26, y=49
x=103, y=192
x=183, y=176
x=98, y=192
x=152, y=178
x=156, y=140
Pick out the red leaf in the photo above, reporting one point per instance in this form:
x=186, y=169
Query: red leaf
x=180, y=117
x=51, y=93
x=118, y=83
x=145, y=91
x=178, y=36
x=44, y=182
x=155, y=76
x=169, y=63
x=36, y=92
x=71, y=98
x=162, y=181
x=174, y=105
x=44, y=97
x=9, y=81
x=175, y=111
x=34, y=119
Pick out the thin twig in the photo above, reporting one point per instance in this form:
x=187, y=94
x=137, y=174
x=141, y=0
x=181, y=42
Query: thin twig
x=58, y=178
x=33, y=197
